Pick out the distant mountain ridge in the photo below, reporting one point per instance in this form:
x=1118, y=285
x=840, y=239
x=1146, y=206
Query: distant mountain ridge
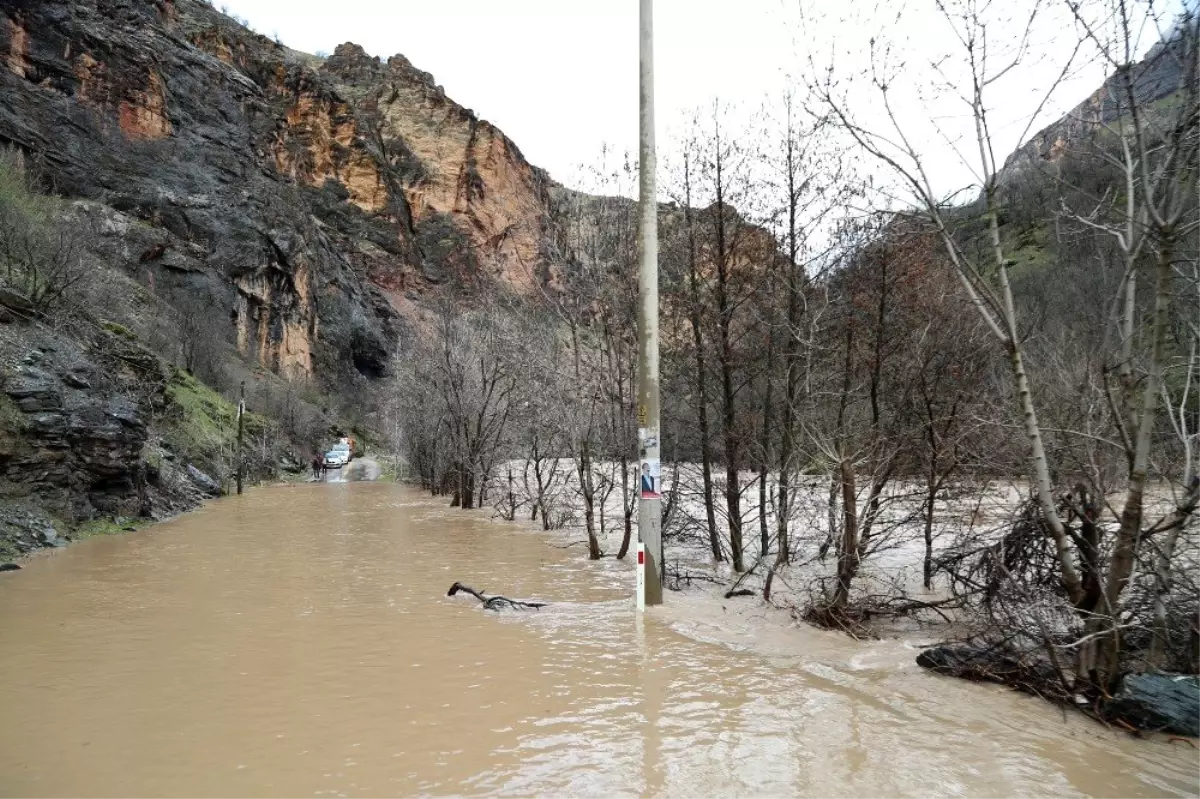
x=1155, y=77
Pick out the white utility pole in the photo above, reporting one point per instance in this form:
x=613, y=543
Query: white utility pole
x=650, y=559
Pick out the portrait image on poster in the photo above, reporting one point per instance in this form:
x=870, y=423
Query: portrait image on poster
x=650, y=479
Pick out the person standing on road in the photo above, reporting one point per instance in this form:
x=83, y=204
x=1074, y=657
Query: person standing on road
x=316, y=467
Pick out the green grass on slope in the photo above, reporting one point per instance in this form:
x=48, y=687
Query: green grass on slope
x=202, y=425
x=1029, y=250
x=108, y=526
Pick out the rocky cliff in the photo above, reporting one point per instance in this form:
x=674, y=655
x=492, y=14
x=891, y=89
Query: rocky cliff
x=313, y=201
x=283, y=214
x=1152, y=79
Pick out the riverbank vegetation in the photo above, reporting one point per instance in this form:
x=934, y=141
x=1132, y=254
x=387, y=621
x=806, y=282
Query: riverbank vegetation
x=881, y=397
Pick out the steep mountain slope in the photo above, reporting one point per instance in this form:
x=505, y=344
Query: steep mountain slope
x=1155, y=77
x=277, y=216
x=305, y=197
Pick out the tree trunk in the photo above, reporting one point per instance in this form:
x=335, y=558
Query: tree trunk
x=587, y=487
x=733, y=492
x=764, y=463
x=529, y=492
x=484, y=476
x=832, y=517
x=764, y=537
x=627, y=505
x=543, y=488
x=847, y=566
x=783, y=508
x=467, y=492
x=706, y=463
x=866, y=524
x=1194, y=648
x=706, y=459
x=512, y=497
x=733, y=501
x=787, y=447
x=1033, y=431
x=931, y=488
x=1162, y=587
x=587, y=490
x=1107, y=649
x=791, y=353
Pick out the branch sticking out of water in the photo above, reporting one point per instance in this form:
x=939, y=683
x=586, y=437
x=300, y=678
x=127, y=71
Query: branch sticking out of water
x=495, y=602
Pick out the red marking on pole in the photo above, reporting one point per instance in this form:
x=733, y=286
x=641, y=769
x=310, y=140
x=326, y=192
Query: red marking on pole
x=641, y=558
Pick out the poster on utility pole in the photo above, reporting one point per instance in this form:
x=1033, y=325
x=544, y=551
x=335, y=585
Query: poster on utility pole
x=651, y=473
x=651, y=470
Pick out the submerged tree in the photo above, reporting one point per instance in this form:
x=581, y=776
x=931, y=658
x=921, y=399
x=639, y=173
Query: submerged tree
x=1156, y=148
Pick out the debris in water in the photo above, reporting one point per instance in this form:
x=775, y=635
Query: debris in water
x=494, y=602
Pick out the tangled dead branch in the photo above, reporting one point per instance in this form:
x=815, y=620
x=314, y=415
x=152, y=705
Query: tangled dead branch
x=1026, y=549
x=495, y=602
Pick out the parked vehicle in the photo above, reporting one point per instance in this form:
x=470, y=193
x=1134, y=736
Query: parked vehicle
x=338, y=456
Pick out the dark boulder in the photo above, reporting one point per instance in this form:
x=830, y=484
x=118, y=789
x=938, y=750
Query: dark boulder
x=18, y=303
x=78, y=381
x=33, y=390
x=958, y=661
x=25, y=528
x=203, y=481
x=1166, y=702
x=9, y=567
x=288, y=462
x=996, y=664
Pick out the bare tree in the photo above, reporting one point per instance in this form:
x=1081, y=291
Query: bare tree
x=696, y=305
x=1160, y=168
x=41, y=256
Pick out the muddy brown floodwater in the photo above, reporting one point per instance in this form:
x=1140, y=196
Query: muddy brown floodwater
x=297, y=641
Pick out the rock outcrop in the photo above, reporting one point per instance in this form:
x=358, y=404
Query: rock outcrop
x=74, y=425
x=311, y=200
x=78, y=411
x=1154, y=77
x=1166, y=702
x=996, y=664
x=477, y=207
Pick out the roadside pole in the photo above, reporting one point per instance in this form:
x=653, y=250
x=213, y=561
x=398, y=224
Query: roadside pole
x=641, y=576
x=650, y=560
x=241, y=412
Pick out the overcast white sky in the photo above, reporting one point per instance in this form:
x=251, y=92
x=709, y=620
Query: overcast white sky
x=560, y=76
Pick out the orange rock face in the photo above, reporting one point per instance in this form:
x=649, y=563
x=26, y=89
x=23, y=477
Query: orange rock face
x=141, y=110
x=457, y=167
x=348, y=179
x=282, y=341
x=318, y=144
x=17, y=57
x=475, y=175
x=143, y=115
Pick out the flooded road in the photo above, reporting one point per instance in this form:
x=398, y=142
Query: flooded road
x=297, y=641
